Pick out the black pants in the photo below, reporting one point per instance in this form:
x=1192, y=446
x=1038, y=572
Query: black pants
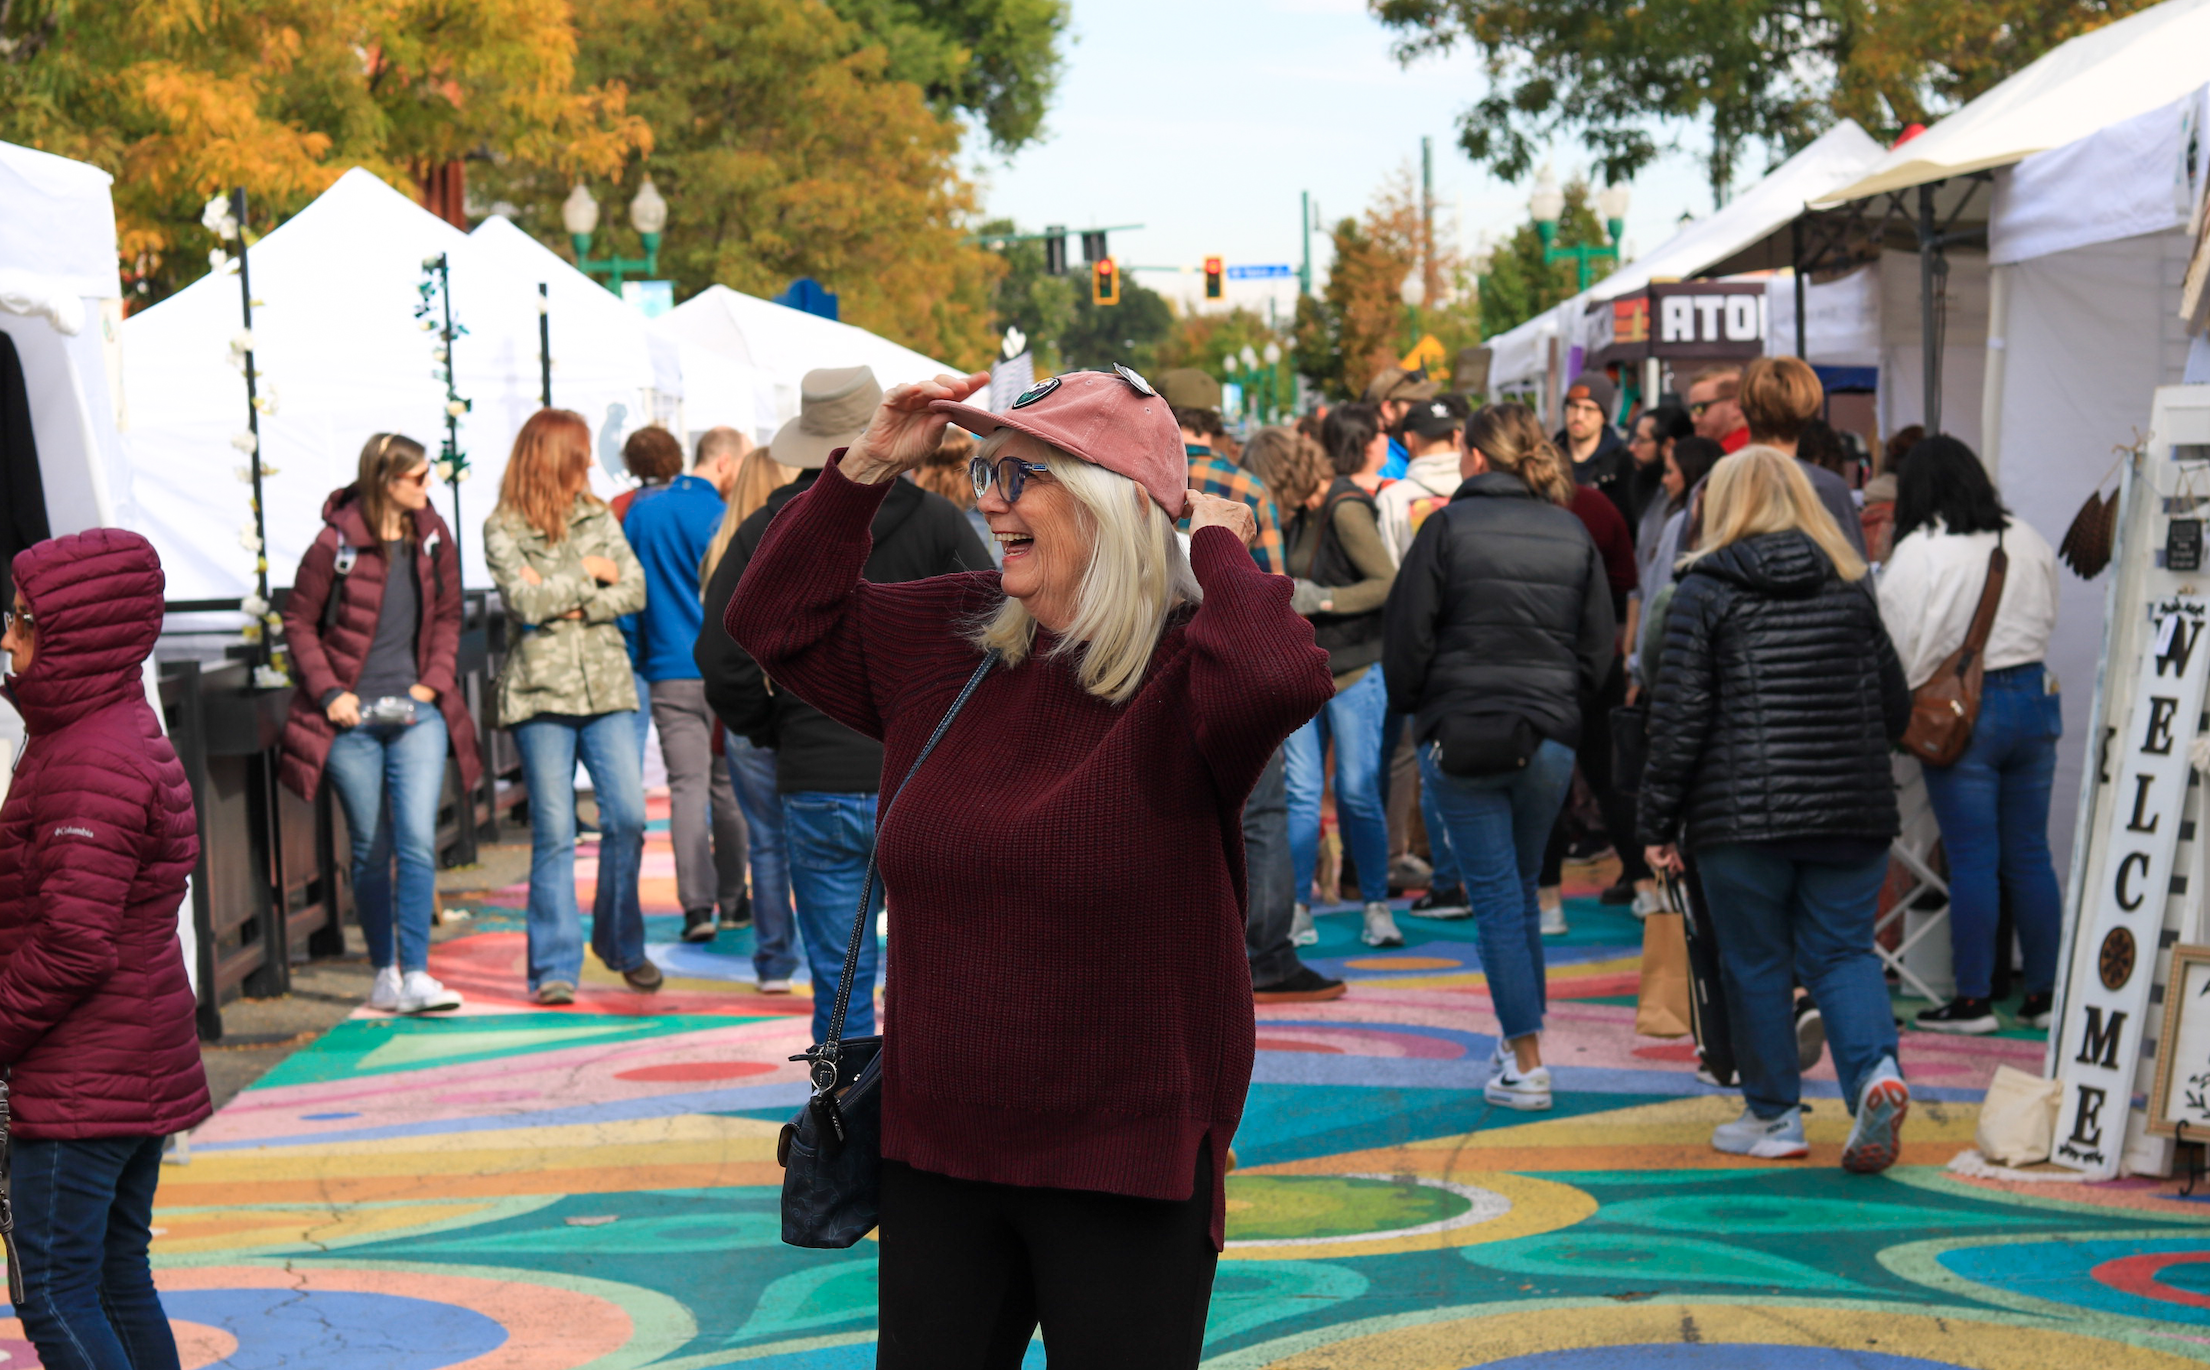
x=1595, y=758
x=969, y=1270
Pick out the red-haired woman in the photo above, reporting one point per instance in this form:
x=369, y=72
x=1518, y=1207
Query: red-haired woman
x=566, y=573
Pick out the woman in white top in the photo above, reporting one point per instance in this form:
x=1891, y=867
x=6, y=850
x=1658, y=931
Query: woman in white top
x=1993, y=804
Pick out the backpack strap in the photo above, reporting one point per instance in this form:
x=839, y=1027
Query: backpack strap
x=341, y=566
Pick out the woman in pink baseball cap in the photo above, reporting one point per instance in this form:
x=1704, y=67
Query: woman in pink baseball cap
x=1069, y=1028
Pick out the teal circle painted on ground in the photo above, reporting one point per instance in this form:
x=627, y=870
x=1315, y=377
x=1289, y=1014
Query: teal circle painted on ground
x=1791, y=1214
x=1713, y=1356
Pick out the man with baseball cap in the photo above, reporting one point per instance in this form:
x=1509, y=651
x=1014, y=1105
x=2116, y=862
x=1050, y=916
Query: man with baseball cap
x=1394, y=392
x=1599, y=455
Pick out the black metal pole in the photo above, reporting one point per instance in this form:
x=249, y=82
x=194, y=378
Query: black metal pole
x=1795, y=233
x=452, y=420
x=1929, y=247
x=544, y=346
x=261, y=655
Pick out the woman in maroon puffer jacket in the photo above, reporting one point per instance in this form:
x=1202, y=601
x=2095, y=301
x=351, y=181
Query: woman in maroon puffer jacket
x=96, y=839
x=374, y=628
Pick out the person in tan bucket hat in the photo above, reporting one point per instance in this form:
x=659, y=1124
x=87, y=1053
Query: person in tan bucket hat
x=834, y=405
x=1056, y=1111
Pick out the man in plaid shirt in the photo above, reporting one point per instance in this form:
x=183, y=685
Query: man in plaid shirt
x=1213, y=474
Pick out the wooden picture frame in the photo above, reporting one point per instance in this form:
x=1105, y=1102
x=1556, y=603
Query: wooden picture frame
x=2183, y=1096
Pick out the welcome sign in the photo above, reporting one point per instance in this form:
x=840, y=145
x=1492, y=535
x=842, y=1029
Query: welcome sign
x=2124, y=915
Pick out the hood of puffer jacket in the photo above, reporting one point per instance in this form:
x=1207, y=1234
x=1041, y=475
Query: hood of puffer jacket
x=343, y=512
x=96, y=597
x=1783, y=565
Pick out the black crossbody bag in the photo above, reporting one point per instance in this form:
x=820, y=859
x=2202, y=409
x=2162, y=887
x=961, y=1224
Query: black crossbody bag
x=831, y=1152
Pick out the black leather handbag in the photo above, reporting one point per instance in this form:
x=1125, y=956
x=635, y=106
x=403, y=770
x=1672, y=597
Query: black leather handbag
x=831, y=1152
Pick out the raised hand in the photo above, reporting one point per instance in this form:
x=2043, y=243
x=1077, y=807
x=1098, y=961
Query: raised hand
x=904, y=430
x=1207, y=511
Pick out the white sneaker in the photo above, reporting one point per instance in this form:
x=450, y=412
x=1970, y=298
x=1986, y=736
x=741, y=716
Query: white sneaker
x=1552, y=904
x=1301, y=931
x=1381, y=927
x=418, y=993
x=385, y=994
x=1768, y=1139
x=1528, y=1091
x=1876, y=1141
x=774, y=986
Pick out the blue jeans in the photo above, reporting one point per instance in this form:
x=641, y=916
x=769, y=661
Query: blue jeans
x=642, y=719
x=550, y=745
x=83, y=1215
x=1353, y=719
x=1781, y=921
x=1440, y=854
x=1994, y=811
x=1498, y=826
x=389, y=778
x=752, y=772
x=829, y=838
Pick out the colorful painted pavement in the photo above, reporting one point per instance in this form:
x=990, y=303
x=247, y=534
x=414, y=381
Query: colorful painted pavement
x=515, y=1189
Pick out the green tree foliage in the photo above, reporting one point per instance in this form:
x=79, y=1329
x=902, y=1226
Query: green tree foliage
x=997, y=60
x=1770, y=72
x=1130, y=332
x=1520, y=284
x=1040, y=305
x=1360, y=324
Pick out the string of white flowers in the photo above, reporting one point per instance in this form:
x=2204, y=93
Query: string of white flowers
x=223, y=216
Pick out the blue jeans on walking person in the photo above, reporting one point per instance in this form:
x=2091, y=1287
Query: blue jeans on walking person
x=1993, y=805
x=606, y=744
x=388, y=779
x=752, y=772
x=83, y=1219
x=1498, y=826
x=1353, y=720
x=1781, y=921
x=829, y=838
x=642, y=719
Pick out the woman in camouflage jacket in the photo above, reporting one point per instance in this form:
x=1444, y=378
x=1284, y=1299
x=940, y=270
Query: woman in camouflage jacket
x=566, y=573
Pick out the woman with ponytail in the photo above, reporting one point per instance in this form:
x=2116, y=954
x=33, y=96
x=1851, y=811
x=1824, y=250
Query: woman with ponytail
x=1499, y=623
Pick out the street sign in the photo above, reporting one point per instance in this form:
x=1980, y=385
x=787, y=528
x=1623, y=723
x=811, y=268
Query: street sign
x=1427, y=355
x=1259, y=273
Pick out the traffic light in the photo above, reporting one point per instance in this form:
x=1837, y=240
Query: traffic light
x=1213, y=278
x=1104, y=282
x=1093, y=246
x=1055, y=250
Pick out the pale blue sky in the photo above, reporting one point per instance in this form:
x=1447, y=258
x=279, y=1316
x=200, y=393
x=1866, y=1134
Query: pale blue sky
x=1202, y=120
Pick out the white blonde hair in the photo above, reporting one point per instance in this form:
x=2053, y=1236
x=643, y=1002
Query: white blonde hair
x=1136, y=579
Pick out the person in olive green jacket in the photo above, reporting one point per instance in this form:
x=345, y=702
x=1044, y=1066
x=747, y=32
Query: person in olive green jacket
x=566, y=573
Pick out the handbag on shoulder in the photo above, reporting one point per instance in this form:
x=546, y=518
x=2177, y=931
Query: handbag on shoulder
x=831, y=1153
x=1945, y=709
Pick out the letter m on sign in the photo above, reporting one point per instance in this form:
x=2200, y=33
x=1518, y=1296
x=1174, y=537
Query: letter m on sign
x=2099, y=1044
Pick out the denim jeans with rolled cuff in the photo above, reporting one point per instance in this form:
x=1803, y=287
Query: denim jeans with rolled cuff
x=1498, y=825
x=606, y=744
x=83, y=1220
x=1352, y=720
x=389, y=778
x=829, y=838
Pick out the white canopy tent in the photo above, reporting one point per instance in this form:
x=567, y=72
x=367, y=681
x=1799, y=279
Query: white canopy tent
x=739, y=338
x=338, y=345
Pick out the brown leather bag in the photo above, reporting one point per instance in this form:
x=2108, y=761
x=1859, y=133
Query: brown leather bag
x=1945, y=708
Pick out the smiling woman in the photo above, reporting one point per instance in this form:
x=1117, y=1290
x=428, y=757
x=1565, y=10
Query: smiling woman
x=1102, y=763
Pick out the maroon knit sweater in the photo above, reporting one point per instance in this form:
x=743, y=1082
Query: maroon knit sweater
x=1068, y=1001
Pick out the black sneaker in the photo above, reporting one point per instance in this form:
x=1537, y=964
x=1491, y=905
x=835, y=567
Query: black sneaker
x=1305, y=986
x=1619, y=893
x=1450, y=903
x=698, y=925
x=741, y=915
x=645, y=978
x=1963, y=1017
x=2035, y=1010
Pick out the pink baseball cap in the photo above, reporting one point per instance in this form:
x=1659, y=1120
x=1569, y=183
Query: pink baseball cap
x=1112, y=419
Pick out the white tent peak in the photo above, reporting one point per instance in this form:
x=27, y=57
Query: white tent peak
x=59, y=224
x=2123, y=69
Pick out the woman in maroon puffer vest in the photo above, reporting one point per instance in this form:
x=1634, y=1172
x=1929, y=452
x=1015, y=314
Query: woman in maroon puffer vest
x=379, y=701
x=96, y=839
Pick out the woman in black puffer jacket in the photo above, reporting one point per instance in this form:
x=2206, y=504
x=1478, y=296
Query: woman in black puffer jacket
x=1776, y=699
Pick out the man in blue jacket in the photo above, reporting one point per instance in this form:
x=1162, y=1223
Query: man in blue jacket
x=670, y=532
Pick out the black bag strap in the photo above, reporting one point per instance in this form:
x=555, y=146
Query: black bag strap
x=824, y=1055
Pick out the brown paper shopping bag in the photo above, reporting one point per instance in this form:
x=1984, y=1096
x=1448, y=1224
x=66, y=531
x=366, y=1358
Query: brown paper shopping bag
x=1661, y=1006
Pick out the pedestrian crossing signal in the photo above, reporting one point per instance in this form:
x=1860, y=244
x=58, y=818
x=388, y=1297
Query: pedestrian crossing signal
x=1104, y=282
x=1214, y=275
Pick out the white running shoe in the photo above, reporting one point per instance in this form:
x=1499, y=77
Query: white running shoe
x=1552, y=904
x=1876, y=1141
x=385, y=994
x=1500, y=1058
x=418, y=993
x=1528, y=1091
x=1768, y=1139
x=1301, y=931
x=774, y=986
x=1381, y=927
x=1647, y=902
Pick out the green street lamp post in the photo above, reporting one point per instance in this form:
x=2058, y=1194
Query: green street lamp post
x=1262, y=380
x=648, y=214
x=1548, y=205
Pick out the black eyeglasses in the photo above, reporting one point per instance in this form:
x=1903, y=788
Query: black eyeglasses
x=1011, y=474
x=10, y=617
